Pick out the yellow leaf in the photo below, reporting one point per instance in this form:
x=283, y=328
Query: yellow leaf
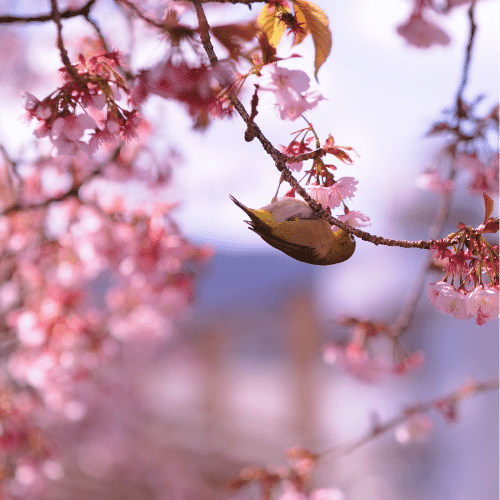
x=317, y=24
x=269, y=22
x=299, y=37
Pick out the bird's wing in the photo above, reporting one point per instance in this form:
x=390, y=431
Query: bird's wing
x=298, y=252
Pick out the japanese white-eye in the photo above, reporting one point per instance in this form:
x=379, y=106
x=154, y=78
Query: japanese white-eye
x=292, y=226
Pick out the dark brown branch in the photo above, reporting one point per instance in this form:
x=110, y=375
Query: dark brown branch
x=42, y=18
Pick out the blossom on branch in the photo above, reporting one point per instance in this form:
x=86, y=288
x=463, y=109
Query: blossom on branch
x=97, y=91
x=430, y=180
x=354, y=219
x=420, y=32
x=289, y=87
x=416, y=429
x=482, y=304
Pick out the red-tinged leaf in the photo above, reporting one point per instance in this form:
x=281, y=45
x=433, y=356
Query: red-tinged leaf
x=489, y=226
x=488, y=207
x=317, y=24
x=269, y=22
x=268, y=51
x=342, y=156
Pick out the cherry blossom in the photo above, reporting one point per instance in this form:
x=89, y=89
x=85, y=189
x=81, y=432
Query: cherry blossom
x=288, y=87
x=451, y=301
x=357, y=362
x=328, y=494
x=354, y=219
x=416, y=429
x=296, y=148
x=421, y=33
x=482, y=304
x=94, y=280
x=484, y=175
x=320, y=193
x=344, y=188
x=431, y=180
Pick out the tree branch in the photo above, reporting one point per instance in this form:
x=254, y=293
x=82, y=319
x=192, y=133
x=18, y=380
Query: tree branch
x=467, y=390
x=41, y=18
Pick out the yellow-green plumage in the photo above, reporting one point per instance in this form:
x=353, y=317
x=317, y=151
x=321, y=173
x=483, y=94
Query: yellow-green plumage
x=292, y=226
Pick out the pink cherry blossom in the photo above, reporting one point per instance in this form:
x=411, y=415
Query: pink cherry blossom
x=434, y=290
x=327, y=494
x=291, y=493
x=66, y=132
x=411, y=362
x=484, y=175
x=448, y=300
x=354, y=219
x=287, y=86
x=416, y=429
x=278, y=79
x=431, y=180
x=320, y=193
x=344, y=188
x=31, y=101
x=357, y=361
x=451, y=301
x=421, y=33
x=482, y=304
x=296, y=148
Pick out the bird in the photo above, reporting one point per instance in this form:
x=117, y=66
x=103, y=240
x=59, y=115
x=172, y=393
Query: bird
x=293, y=227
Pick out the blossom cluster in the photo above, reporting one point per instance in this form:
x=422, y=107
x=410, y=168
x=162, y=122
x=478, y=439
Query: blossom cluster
x=196, y=87
x=61, y=334
x=85, y=111
x=290, y=482
x=371, y=352
x=480, y=303
x=471, y=263
x=321, y=184
x=483, y=176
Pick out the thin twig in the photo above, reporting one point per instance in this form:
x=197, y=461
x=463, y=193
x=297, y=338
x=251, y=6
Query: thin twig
x=403, y=321
x=454, y=397
x=67, y=14
x=139, y=14
x=99, y=33
x=468, y=55
x=56, y=16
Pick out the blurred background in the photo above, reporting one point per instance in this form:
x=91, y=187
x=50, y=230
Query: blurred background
x=243, y=378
